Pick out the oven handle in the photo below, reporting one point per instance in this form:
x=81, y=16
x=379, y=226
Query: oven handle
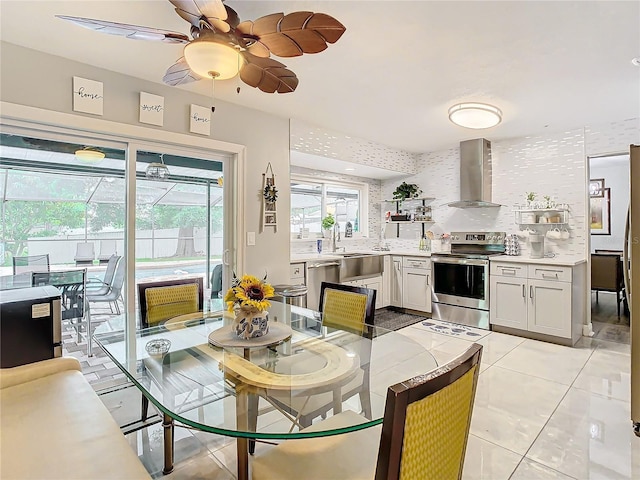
x=460, y=261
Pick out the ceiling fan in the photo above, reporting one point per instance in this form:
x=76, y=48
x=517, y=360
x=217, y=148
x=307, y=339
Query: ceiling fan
x=221, y=46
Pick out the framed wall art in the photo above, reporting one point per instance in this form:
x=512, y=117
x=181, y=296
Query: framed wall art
x=600, y=213
x=87, y=96
x=151, y=109
x=596, y=187
x=200, y=120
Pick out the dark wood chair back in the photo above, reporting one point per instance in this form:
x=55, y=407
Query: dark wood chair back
x=347, y=306
x=142, y=298
x=429, y=439
x=606, y=272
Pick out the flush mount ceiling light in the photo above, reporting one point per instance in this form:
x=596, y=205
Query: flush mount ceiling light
x=157, y=171
x=475, y=115
x=89, y=154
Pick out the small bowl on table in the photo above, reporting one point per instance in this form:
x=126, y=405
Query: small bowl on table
x=158, y=347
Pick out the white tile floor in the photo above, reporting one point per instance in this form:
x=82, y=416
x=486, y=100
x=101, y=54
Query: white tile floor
x=542, y=411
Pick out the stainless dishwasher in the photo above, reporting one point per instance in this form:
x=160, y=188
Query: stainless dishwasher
x=318, y=272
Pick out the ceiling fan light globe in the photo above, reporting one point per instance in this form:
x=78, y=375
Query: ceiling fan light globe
x=205, y=56
x=475, y=115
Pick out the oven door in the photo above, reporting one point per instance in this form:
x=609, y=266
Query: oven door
x=461, y=281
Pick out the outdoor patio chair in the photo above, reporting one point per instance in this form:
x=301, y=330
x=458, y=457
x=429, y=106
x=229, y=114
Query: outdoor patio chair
x=216, y=281
x=114, y=292
x=31, y=263
x=85, y=253
x=108, y=248
x=72, y=286
x=424, y=433
x=95, y=286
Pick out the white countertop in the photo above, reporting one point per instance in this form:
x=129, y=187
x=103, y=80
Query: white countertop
x=314, y=257
x=557, y=260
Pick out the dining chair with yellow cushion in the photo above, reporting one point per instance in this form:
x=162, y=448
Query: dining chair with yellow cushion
x=348, y=308
x=160, y=301
x=423, y=436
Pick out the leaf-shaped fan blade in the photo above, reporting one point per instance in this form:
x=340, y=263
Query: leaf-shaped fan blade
x=130, y=31
x=296, y=33
x=180, y=74
x=267, y=74
x=212, y=10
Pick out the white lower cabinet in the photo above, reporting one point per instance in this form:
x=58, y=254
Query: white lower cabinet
x=395, y=289
x=386, y=281
x=537, y=299
x=374, y=283
x=416, y=284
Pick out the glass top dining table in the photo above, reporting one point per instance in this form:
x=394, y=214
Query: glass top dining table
x=242, y=388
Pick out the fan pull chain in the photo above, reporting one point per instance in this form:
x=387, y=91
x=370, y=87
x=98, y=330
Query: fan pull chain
x=238, y=76
x=213, y=93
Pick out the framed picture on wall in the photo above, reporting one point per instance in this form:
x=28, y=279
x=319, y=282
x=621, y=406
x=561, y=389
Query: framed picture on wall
x=600, y=212
x=596, y=187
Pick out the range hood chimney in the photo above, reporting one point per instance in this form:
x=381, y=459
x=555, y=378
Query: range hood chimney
x=475, y=175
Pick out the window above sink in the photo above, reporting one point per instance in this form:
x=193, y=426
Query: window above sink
x=312, y=198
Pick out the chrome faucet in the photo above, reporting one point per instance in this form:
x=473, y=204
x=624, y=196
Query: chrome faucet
x=335, y=237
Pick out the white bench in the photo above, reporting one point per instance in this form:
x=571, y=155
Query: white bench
x=54, y=426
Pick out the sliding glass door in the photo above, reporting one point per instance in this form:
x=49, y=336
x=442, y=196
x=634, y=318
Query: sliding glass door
x=123, y=212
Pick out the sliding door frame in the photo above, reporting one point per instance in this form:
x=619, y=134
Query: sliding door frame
x=136, y=137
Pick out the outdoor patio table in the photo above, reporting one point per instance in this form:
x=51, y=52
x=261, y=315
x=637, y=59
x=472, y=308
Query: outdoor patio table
x=217, y=389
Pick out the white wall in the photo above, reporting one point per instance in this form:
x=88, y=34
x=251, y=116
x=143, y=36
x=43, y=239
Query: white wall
x=616, y=177
x=40, y=80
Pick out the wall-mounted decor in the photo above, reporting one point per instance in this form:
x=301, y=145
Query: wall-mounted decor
x=151, y=109
x=87, y=96
x=600, y=213
x=596, y=187
x=269, y=197
x=200, y=120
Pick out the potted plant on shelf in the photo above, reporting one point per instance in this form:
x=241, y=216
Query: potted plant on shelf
x=406, y=190
x=327, y=224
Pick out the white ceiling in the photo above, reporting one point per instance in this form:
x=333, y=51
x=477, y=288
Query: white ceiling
x=399, y=66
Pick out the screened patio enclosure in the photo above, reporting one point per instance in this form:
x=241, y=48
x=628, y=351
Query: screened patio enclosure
x=54, y=200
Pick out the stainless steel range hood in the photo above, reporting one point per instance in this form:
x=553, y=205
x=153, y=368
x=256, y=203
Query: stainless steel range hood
x=475, y=175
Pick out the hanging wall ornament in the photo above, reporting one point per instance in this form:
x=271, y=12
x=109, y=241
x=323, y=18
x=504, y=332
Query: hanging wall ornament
x=269, y=198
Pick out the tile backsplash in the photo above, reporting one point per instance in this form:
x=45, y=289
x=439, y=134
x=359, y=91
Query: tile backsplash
x=552, y=164
x=314, y=140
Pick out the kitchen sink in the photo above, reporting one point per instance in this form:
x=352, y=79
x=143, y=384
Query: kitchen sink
x=356, y=266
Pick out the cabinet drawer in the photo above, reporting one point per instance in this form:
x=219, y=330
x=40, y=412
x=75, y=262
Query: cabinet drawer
x=550, y=272
x=416, y=262
x=516, y=270
x=296, y=272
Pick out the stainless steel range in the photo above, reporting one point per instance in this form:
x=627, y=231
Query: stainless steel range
x=461, y=278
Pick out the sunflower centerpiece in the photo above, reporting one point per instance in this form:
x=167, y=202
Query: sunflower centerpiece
x=247, y=298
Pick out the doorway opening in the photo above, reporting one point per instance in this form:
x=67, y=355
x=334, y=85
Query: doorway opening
x=609, y=196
